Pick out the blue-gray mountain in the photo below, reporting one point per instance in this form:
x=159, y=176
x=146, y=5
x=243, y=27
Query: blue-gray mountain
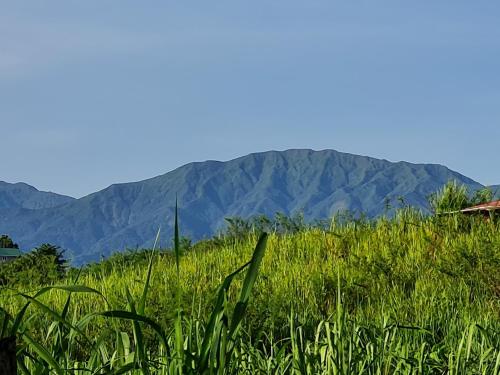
x=496, y=190
x=21, y=195
x=318, y=183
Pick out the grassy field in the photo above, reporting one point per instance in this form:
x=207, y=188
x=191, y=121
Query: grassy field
x=409, y=295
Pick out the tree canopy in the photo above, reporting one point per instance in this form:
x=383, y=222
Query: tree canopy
x=7, y=243
x=44, y=265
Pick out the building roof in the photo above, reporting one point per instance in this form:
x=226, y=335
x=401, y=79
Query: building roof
x=10, y=252
x=489, y=206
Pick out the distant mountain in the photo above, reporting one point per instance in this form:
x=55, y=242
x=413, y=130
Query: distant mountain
x=21, y=195
x=496, y=190
x=318, y=183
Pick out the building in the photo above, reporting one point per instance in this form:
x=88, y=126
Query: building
x=485, y=209
x=9, y=254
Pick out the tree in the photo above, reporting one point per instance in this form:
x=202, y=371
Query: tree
x=237, y=227
x=289, y=224
x=48, y=250
x=44, y=265
x=482, y=196
x=7, y=243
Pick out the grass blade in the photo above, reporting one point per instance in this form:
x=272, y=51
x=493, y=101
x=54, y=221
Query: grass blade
x=248, y=283
x=43, y=353
x=127, y=315
x=177, y=249
x=142, y=301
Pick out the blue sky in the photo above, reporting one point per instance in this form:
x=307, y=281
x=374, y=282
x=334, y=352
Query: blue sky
x=98, y=92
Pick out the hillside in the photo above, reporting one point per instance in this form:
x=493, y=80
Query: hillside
x=412, y=297
x=319, y=183
x=496, y=190
x=24, y=196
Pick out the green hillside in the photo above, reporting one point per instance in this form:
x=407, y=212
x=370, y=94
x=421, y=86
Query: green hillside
x=417, y=295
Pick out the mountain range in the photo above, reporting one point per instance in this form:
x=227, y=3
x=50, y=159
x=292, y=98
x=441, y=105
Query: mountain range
x=317, y=183
x=21, y=195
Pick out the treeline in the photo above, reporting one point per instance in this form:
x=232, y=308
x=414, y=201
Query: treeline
x=43, y=265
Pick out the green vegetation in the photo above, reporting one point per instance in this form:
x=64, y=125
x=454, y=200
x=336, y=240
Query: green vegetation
x=411, y=294
x=7, y=243
x=44, y=265
x=454, y=197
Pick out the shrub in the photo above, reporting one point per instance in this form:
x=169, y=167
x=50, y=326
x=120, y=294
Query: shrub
x=7, y=243
x=44, y=265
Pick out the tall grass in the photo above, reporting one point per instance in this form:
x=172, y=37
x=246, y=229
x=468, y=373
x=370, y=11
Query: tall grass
x=409, y=295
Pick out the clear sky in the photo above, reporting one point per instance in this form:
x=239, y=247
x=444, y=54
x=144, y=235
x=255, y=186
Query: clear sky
x=99, y=91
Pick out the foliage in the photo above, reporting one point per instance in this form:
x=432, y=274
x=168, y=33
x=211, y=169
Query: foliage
x=238, y=227
x=53, y=252
x=409, y=294
x=44, y=265
x=7, y=243
x=482, y=196
x=455, y=197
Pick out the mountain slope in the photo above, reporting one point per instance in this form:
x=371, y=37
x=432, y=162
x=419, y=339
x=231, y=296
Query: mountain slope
x=319, y=183
x=496, y=190
x=21, y=195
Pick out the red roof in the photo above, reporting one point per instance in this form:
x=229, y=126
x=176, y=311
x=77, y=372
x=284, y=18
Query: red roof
x=490, y=206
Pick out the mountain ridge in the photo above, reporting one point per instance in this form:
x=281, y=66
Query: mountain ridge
x=318, y=183
x=21, y=195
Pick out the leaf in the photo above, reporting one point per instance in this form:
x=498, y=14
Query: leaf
x=54, y=314
x=125, y=369
x=127, y=315
x=248, y=283
x=69, y=288
x=211, y=330
x=176, y=238
x=43, y=353
x=142, y=301
x=19, y=318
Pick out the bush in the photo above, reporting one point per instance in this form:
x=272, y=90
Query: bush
x=7, y=243
x=44, y=265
